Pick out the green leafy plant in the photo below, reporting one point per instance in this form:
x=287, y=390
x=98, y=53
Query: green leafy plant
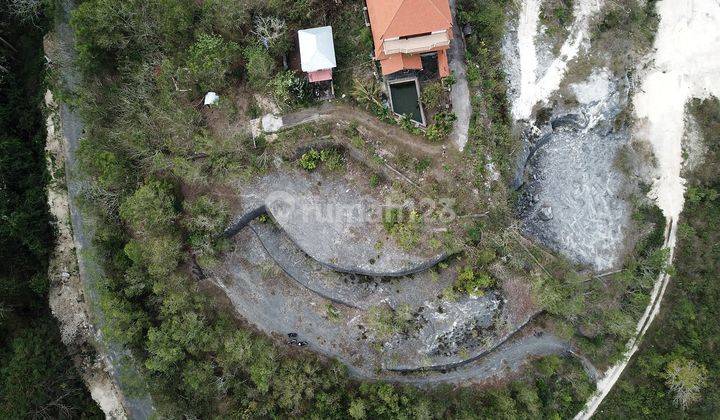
x=332, y=159
x=441, y=127
x=209, y=60
x=472, y=283
x=391, y=217
x=686, y=378
x=385, y=321
x=367, y=93
x=409, y=125
x=205, y=220
x=150, y=209
x=486, y=256
x=259, y=65
x=423, y=164
x=311, y=159
x=407, y=232
x=374, y=180
x=433, y=94
x=333, y=313
x=448, y=81
x=288, y=89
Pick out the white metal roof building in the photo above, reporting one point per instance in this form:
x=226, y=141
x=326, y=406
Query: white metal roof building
x=317, y=52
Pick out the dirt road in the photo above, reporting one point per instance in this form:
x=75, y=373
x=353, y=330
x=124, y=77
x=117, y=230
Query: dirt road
x=139, y=407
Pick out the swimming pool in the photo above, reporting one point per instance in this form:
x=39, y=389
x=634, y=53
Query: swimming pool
x=404, y=99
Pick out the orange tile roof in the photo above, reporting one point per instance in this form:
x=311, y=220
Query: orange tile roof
x=397, y=62
x=398, y=18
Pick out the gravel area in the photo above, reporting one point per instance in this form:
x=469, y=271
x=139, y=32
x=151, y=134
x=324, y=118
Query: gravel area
x=338, y=224
x=460, y=92
x=279, y=289
x=574, y=199
x=351, y=290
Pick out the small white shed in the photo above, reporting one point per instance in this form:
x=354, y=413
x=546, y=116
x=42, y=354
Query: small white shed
x=317, y=53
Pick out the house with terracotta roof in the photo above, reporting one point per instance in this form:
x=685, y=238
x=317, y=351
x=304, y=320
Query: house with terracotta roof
x=409, y=33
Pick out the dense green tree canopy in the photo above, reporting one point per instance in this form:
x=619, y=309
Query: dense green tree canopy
x=37, y=377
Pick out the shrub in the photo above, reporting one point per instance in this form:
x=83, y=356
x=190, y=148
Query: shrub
x=332, y=159
x=472, y=283
x=109, y=31
x=686, y=378
x=288, y=89
x=486, y=257
x=205, y=220
x=37, y=376
x=205, y=217
x=259, y=65
x=391, y=217
x=448, y=81
x=407, y=233
x=227, y=16
x=272, y=33
x=160, y=254
x=112, y=172
x=209, y=60
x=311, y=159
x=366, y=40
x=333, y=313
x=150, y=209
x=441, y=127
x=409, y=125
x=423, y=164
x=475, y=233
x=385, y=321
x=563, y=297
x=697, y=194
x=367, y=92
x=433, y=94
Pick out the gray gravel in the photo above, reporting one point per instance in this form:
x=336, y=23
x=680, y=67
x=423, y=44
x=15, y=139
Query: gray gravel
x=361, y=292
x=460, y=92
x=574, y=199
x=335, y=223
x=506, y=359
x=279, y=289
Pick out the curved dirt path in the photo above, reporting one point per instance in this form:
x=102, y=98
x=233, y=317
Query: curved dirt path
x=347, y=114
x=460, y=91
